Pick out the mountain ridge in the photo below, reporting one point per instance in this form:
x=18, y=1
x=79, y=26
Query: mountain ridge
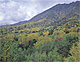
x=56, y=13
x=57, y=7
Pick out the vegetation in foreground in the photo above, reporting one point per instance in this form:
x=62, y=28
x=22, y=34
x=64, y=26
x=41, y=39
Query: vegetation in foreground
x=40, y=44
x=45, y=40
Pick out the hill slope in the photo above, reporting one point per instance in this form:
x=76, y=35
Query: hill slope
x=54, y=37
x=59, y=11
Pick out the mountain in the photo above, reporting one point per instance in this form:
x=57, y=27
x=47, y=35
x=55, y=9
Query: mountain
x=50, y=36
x=58, y=15
x=21, y=22
x=58, y=12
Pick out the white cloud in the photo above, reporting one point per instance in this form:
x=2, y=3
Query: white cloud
x=12, y=12
x=1, y=0
x=1, y=16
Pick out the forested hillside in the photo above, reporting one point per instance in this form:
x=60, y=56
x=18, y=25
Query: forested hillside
x=52, y=36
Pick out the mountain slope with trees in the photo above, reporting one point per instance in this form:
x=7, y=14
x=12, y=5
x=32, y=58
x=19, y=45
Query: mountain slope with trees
x=48, y=37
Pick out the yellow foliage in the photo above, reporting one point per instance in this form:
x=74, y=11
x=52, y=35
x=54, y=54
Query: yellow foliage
x=22, y=39
x=46, y=33
x=73, y=34
x=64, y=28
x=73, y=29
x=9, y=37
x=42, y=40
x=41, y=20
x=58, y=27
x=58, y=33
x=32, y=36
x=50, y=27
x=35, y=29
x=75, y=52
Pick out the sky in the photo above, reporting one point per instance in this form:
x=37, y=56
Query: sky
x=13, y=11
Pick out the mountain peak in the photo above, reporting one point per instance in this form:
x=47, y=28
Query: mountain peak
x=58, y=11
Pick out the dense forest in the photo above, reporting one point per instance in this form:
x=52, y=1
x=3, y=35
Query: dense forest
x=52, y=36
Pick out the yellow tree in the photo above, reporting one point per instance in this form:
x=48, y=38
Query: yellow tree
x=73, y=29
x=42, y=40
x=75, y=52
x=32, y=36
x=46, y=33
x=58, y=34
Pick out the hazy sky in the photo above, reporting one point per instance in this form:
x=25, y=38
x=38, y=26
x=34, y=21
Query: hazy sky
x=12, y=11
